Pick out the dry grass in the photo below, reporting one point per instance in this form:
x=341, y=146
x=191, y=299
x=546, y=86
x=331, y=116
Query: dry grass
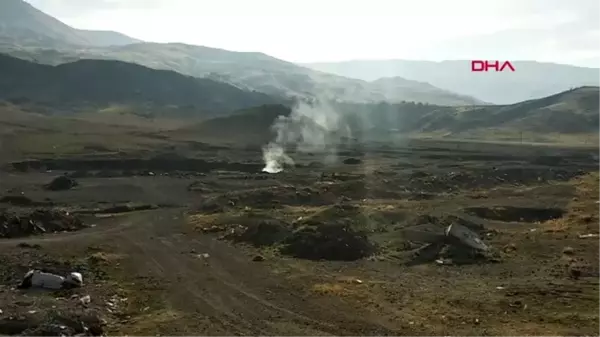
x=582, y=211
x=147, y=324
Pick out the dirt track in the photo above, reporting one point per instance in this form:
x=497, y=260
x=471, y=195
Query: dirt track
x=155, y=257
x=210, y=295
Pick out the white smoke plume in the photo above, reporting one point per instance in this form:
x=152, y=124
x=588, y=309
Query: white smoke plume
x=311, y=127
x=275, y=157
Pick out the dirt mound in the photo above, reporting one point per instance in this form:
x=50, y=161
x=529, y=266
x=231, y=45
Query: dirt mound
x=70, y=322
x=518, y=214
x=61, y=183
x=21, y=200
x=328, y=242
x=136, y=164
x=275, y=197
x=352, y=161
x=483, y=178
x=439, y=222
x=37, y=222
x=259, y=234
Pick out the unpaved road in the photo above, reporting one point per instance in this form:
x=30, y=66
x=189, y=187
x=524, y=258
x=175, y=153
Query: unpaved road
x=223, y=294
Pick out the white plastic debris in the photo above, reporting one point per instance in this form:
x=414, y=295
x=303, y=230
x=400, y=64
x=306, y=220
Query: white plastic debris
x=466, y=237
x=586, y=236
x=75, y=279
x=39, y=279
x=85, y=300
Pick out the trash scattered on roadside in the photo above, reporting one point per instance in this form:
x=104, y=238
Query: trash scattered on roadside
x=31, y=312
x=586, y=236
x=85, y=300
x=500, y=288
x=568, y=251
x=466, y=237
x=357, y=281
x=39, y=279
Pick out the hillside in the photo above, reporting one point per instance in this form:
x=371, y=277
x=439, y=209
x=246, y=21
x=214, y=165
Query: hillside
x=252, y=71
x=529, y=81
x=571, y=113
x=28, y=33
x=23, y=25
x=94, y=84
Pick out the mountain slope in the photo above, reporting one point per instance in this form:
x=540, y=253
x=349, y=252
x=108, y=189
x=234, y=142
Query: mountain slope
x=96, y=83
x=30, y=34
x=24, y=25
x=252, y=71
x=530, y=79
x=570, y=113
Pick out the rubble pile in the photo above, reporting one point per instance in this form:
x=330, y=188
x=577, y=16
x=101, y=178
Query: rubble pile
x=37, y=222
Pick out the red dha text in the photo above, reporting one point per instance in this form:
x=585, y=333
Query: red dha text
x=479, y=65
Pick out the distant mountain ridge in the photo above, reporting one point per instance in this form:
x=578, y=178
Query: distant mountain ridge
x=22, y=24
x=28, y=33
x=529, y=81
x=92, y=84
x=251, y=71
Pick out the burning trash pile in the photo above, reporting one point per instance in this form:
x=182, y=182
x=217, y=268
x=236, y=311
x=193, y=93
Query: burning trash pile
x=37, y=222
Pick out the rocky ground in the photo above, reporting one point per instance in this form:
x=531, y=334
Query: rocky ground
x=200, y=244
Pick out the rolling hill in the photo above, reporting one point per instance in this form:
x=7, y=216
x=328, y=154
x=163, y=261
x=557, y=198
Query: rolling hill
x=30, y=34
x=23, y=25
x=529, y=81
x=572, y=113
x=250, y=71
x=96, y=84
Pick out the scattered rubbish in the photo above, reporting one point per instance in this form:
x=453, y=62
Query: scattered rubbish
x=466, y=237
x=39, y=279
x=457, y=245
x=568, y=251
x=443, y=261
x=357, y=281
x=510, y=248
x=476, y=320
x=1, y=312
x=31, y=312
x=258, y=258
x=587, y=236
x=85, y=300
x=500, y=288
x=205, y=255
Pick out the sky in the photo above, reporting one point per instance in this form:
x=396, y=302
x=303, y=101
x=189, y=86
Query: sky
x=561, y=31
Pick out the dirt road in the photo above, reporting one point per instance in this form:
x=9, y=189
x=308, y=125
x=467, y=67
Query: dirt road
x=223, y=293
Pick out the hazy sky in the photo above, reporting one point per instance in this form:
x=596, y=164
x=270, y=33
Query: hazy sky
x=563, y=31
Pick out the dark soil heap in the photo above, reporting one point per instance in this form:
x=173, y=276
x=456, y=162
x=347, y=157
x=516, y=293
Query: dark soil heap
x=328, y=242
x=61, y=183
x=38, y=222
